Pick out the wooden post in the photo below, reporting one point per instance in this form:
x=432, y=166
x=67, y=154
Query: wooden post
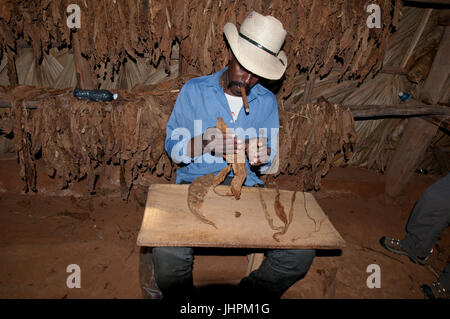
x=418, y=132
x=408, y=154
x=81, y=65
x=12, y=72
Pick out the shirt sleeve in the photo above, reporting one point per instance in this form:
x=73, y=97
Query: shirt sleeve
x=272, y=124
x=179, y=130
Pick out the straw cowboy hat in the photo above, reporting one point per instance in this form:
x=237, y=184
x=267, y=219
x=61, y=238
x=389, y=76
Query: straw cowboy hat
x=257, y=45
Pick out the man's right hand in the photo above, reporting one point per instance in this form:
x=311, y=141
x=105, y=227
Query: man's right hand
x=220, y=144
x=215, y=142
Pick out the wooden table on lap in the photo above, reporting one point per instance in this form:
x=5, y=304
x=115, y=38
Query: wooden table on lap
x=240, y=223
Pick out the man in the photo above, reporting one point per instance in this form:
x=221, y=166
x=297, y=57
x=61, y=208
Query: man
x=429, y=218
x=254, y=53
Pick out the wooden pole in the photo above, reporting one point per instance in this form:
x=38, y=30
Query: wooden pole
x=418, y=132
x=12, y=72
x=430, y=2
x=358, y=111
x=416, y=37
x=81, y=65
x=406, y=109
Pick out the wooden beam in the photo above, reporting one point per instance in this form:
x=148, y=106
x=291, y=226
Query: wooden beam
x=365, y=111
x=358, y=111
x=445, y=2
x=418, y=132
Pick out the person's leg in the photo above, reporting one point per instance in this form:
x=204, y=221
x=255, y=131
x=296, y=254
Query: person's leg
x=429, y=218
x=150, y=289
x=173, y=271
x=173, y=268
x=280, y=270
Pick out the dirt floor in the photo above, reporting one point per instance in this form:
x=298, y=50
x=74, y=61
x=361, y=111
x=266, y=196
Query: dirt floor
x=44, y=232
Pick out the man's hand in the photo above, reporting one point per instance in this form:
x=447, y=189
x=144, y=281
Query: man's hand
x=221, y=144
x=257, y=151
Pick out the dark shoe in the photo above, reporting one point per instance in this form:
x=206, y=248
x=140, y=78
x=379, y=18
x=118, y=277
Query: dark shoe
x=394, y=246
x=435, y=291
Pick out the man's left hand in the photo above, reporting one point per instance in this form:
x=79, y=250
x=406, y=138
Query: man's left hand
x=257, y=151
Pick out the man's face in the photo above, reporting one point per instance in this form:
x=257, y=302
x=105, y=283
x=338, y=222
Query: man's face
x=238, y=76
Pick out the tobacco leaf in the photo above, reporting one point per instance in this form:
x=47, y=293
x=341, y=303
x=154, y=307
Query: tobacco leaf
x=320, y=36
x=279, y=210
x=240, y=174
x=312, y=136
x=235, y=161
x=266, y=212
x=219, y=178
x=196, y=194
x=79, y=139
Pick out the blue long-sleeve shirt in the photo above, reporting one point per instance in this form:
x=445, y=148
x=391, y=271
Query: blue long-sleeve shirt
x=200, y=102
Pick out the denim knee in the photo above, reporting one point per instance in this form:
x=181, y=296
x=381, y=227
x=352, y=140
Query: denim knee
x=172, y=260
x=291, y=261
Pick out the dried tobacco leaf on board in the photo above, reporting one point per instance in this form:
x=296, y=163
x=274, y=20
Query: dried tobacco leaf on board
x=220, y=177
x=266, y=212
x=279, y=211
x=196, y=194
x=235, y=161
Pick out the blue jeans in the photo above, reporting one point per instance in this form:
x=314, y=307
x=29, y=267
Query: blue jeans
x=280, y=269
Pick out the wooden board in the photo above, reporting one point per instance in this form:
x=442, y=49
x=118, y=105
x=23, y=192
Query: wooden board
x=240, y=223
